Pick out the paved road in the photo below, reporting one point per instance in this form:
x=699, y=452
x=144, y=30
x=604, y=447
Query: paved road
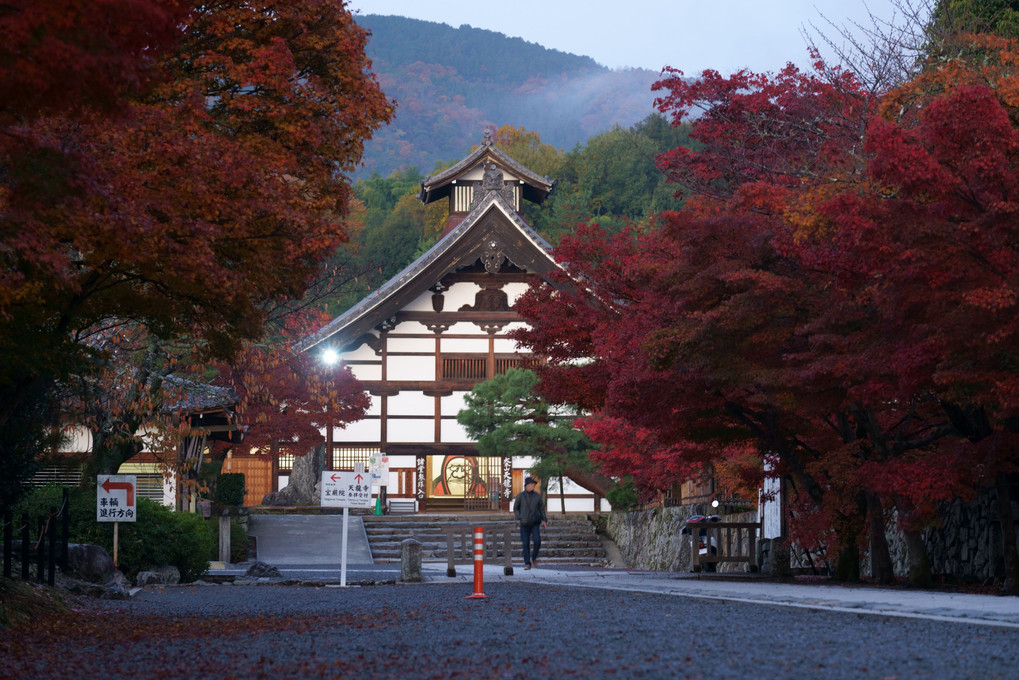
x=527, y=626
x=307, y=548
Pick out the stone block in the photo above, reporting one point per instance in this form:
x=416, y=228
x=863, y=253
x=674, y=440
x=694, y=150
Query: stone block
x=410, y=561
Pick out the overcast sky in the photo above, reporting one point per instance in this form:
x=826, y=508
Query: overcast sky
x=690, y=35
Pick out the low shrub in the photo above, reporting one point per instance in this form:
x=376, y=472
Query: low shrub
x=158, y=536
x=229, y=489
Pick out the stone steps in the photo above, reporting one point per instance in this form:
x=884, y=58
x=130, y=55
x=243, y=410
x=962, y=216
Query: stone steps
x=566, y=541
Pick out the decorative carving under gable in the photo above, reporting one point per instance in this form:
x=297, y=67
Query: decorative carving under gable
x=438, y=327
x=387, y=325
x=438, y=302
x=492, y=257
x=491, y=327
x=491, y=298
x=493, y=180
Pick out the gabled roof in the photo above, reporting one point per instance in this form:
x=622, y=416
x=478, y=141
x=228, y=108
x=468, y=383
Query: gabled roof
x=535, y=187
x=491, y=223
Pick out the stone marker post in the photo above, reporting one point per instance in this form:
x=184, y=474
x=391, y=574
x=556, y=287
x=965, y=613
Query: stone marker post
x=410, y=561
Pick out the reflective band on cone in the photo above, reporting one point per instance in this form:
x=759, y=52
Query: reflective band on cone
x=479, y=564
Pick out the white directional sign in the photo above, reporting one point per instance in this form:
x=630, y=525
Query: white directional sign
x=115, y=498
x=346, y=489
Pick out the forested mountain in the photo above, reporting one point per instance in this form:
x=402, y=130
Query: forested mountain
x=449, y=84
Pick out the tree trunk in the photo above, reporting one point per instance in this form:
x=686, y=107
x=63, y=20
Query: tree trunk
x=881, y=569
x=919, y=559
x=1011, y=584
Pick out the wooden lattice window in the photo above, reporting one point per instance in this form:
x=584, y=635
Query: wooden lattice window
x=345, y=457
x=471, y=368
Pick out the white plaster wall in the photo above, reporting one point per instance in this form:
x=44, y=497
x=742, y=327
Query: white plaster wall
x=452, y=432
x=367, y=430
x=410, y=328
x=506, y=346
x=411, y=368
x=452, y=404
x=458, y=295
x=402, y=462
x=406, y=431
x=77, y=439
x=514, y=290
x=554, y=504
x=422, y=303
x=362, y=353
x=569, y=486
x=411, y=404
x=367, y=371
x=477, y=345
x=398, y=344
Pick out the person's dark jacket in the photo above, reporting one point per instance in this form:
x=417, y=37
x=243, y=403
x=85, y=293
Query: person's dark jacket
x=529, y=509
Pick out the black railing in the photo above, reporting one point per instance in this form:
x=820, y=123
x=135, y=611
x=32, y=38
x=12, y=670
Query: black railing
x=46, y=546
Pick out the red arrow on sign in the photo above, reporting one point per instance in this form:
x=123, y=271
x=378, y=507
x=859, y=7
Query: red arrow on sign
x=334, y=478
x=358, y=478
x=109, y=486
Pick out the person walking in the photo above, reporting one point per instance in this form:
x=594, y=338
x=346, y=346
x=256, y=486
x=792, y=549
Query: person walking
x=529, y=509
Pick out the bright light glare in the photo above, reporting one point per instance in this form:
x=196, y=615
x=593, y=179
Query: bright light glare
x=714, y=503
x=330, y=357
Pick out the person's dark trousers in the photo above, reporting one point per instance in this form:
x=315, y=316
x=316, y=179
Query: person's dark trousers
x=527, y=534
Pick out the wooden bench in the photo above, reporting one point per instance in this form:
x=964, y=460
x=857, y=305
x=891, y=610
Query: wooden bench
x=498, y=546
x=730, y=539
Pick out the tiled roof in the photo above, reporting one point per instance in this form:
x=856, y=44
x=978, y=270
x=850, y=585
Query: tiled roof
x=492, y=200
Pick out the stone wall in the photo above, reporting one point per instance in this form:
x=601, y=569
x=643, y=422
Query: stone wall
x=651, y=539
x=966, y=543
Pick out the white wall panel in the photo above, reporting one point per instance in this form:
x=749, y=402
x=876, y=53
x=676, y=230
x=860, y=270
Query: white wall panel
x=453, y=404
x=506, y=346
x=367, y=371
x=411, y=368
x=514, y=290
x=367, y=430
x=411, y=404
x=453, y=433
x=411, y=327
x=465, y=345
x=406, y=431
x=402, y=462
x=458, y=295
x=397, y=345
x=362, y=353
x=77, y=440
x=423, y=303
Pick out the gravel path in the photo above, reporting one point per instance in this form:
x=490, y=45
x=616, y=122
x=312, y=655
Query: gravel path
x=520, y=630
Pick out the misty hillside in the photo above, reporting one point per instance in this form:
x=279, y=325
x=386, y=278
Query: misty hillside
x=452, y=83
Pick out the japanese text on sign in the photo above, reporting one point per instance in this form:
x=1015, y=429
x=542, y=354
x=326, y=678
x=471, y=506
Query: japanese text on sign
x=115, y=498
x=346, y=489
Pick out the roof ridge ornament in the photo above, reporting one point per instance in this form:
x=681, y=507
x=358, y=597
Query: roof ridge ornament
x=488, y=138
